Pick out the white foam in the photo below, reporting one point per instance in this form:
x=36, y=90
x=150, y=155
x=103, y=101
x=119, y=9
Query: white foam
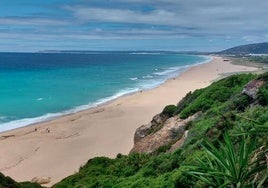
x=50, y=116
x=145, y=53
x=39, y=99
x=167, y=71
x=151, y=84
x=117, y=95
x=133, y=78
x=147, y=76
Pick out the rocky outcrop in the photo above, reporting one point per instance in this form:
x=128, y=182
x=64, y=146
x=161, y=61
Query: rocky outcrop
x=179, y=142
x=156, y=124
x=168, y=131
x=252, y=88
x=41, y=180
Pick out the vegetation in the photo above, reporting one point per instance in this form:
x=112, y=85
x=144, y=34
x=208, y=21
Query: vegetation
x=169, y=110
x=222, y=148
x=7, y=182
x=258, y=48
x=258, y=59
x=231, y=166
x=213, y=96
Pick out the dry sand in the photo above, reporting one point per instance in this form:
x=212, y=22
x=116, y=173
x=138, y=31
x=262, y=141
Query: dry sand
x=103, y=131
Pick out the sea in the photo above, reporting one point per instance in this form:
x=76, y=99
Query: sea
x=37, y=87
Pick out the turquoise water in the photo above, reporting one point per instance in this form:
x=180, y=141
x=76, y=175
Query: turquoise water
x=40, y=86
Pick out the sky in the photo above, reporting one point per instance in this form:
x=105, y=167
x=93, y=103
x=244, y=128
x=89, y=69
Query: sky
x=178, y=25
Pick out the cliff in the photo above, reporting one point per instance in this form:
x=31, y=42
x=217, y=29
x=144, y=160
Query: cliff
x=171, y=131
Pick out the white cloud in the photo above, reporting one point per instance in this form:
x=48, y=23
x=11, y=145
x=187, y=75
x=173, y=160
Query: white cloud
x=142, y=19
x=158, y=17
x=30, y=21
x=195, y=16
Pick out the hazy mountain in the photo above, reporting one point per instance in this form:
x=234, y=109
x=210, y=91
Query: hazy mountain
x=257, y=48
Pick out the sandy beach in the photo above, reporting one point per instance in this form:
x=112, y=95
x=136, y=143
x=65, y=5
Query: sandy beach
x=103, y=131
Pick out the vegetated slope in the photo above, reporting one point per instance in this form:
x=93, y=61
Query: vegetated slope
x=224, y=110
x=257, y=59
x=7, y=182
x=258, y=48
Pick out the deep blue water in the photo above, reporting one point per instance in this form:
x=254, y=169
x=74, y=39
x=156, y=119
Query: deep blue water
x=39, y=86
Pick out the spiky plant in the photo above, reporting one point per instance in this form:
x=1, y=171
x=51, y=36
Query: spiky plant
x=231, y=166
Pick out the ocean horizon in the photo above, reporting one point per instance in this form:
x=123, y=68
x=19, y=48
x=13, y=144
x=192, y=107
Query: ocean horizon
x=37, y=87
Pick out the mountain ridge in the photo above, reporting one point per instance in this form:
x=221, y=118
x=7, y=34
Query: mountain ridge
x=255, y=48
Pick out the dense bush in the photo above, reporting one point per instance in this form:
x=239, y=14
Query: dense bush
x=7, y=182
x=263, y=95
x=216, y=94
x=169, y=110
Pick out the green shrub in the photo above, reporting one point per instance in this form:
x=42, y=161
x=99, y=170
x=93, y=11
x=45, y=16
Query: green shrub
x=185, y=101
x=239, y=102
x=169, y=110
x=162, y=149
x=7, y=182
x=263, y=95
x=215, y=95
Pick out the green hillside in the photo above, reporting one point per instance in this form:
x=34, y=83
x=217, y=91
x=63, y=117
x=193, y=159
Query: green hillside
x=258, y=48
x=225, y=146
x=7, y=182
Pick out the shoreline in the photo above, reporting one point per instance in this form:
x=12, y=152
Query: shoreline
x=97, y=104
x=105, y=130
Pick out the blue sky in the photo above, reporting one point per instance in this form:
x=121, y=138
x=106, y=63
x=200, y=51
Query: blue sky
x=181, y=25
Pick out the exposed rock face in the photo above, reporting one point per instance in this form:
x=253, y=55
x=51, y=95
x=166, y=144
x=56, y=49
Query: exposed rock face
x=154, y=125
x=168, y=131
x=180, y=142
x=252, y=88
x=41, y=180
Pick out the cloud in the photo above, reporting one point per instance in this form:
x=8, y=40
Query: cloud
x=157, y=17
x=83, y=20
x=207, y=16
x=30, y=21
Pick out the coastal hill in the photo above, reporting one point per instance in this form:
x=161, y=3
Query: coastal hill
x=215, y=136
x=257, y=48
x=210, y=137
